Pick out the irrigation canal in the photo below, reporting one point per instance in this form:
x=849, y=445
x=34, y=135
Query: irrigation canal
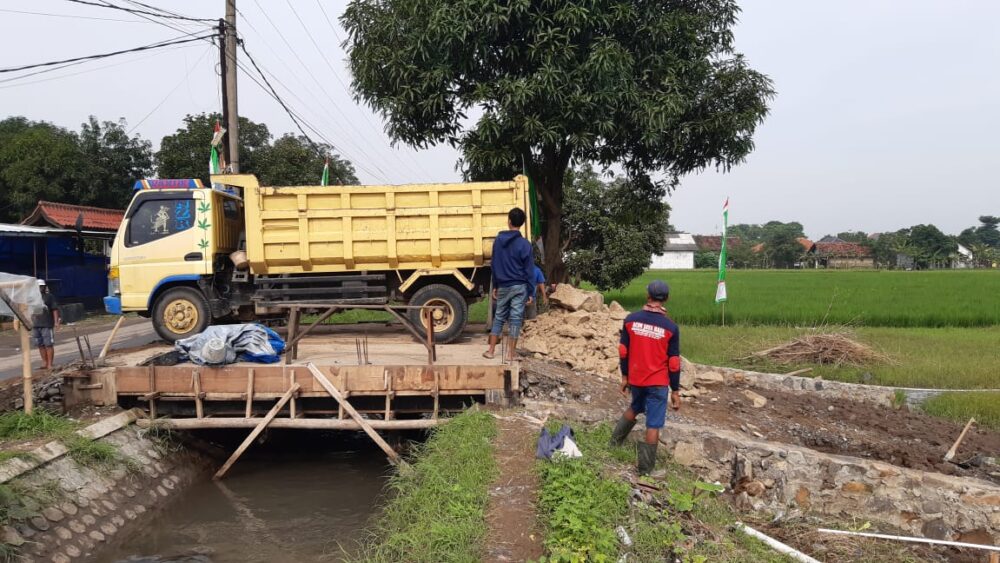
x=299, y=496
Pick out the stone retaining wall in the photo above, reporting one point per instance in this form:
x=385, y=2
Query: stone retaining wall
x=75, y=511
x=780, y=477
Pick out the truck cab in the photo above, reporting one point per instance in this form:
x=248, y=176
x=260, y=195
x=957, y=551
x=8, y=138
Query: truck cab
x=168, y=253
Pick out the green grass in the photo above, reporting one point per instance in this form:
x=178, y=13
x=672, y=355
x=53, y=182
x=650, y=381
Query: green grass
x=960, y=407
x=949, y=358
x=438, y=506
x=16, y=425
x=946, y=298
x=583, y=501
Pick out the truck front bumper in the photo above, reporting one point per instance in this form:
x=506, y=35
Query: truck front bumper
x=113, y=305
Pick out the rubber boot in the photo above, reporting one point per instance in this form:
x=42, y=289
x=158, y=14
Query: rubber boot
x=621, y=431
x=647, y=458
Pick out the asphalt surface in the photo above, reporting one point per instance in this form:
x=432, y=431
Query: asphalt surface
x=134, y=332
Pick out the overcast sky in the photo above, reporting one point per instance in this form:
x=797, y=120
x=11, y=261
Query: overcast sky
x=887, y=113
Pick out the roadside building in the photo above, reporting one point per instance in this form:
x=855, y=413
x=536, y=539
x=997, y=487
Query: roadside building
x=66, y=245
x=677, y=254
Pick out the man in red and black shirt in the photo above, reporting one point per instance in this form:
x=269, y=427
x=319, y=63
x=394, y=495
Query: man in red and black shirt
x=650, y=353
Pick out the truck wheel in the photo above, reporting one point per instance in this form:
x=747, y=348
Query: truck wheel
x=449, y=321
x=180, y=312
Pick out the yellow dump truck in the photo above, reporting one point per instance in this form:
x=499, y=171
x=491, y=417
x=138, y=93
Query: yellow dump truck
x=187, y=255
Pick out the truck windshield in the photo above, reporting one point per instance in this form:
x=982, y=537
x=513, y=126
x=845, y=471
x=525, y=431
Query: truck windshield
x=158, y=218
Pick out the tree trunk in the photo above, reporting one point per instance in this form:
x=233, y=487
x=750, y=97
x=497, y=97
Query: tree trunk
x=549, y=172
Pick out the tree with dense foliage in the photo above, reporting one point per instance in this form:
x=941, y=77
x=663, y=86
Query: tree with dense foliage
x=930, y=247
x=113, y=161
x=185, y=153
x=857, y=237
x=611, y=228
x=781, y=245
x=42, y=161
x=290, y=161
x=649, y=87
x=706, y=259
x=754, y=234
x=986, y=234
x=294, y=161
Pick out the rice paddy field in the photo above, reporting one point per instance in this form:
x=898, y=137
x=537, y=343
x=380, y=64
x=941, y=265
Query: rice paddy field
x=942, y=298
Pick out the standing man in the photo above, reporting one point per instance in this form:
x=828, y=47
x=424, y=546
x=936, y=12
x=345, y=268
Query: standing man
x=538, y=295
x=44, y=323
x=650, y=353
x=512, y=264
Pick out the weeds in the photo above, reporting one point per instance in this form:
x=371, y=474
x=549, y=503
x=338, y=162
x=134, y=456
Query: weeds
x=94, y=453
x=9, y=553
x=437, y=508
x=584, y=501
x=960, y=407
x=16, y=425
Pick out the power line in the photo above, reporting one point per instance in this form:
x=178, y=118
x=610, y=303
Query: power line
x=134, y=11
x=103, y=55
x=71, y=16
x=171, y=93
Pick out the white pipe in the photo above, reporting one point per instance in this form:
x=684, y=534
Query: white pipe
x=775, y=544
x=910, y=539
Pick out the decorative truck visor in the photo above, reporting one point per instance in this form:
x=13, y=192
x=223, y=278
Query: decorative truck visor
x=164, y=184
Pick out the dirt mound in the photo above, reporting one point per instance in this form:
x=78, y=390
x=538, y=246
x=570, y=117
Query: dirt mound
x=579, y=330
x=832, y=348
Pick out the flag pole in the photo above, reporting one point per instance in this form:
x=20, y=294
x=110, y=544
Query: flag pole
x=720, y=289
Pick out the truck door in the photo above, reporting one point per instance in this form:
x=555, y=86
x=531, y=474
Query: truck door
x=161, y=243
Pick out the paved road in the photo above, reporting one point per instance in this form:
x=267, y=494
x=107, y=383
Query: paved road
x=135, y=332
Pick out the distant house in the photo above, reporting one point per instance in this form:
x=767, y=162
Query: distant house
x=677, y=254
x=843, y=255
x=964, y=258
x=831, y=238
x=713, y=243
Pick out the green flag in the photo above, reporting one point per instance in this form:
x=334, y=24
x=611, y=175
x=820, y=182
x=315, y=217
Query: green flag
x=325, y=180
x=720, y=290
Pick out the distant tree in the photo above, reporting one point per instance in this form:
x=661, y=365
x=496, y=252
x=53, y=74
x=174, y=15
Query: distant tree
x=754, y=234
x=781, y=244
x=650, y=87
x=38, y=160
x=112, y=162
x=988, y=233
x=293, y=161
x=707, y=259
x=858, y=237
x=612, y=228
x=185, y=153
x=929, y=246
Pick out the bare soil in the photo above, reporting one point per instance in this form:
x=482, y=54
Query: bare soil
x=514, y=531
x=897, y=436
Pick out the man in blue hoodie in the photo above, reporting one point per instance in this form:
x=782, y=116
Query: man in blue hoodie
x=513, y=266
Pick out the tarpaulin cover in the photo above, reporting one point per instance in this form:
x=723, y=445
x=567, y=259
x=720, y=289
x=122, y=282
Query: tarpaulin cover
x=20, y=290
x=225, y=344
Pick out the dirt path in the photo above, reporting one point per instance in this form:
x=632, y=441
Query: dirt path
x=900, y=437
x=513, y=526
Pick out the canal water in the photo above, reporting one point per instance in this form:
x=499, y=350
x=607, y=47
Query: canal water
x=284, y=501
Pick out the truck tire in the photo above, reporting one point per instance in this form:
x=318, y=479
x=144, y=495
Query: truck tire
x=180, y=312
x=449, y=322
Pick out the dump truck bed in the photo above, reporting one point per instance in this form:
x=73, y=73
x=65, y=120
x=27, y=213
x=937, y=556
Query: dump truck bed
x=298, y=229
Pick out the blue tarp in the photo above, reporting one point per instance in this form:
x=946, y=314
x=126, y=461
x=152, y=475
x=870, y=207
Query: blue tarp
x=244, y=342
x=549, y=443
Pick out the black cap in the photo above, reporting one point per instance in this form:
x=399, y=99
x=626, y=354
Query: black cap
x=658, y=290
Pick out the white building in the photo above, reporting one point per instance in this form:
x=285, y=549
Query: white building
x=678, y=253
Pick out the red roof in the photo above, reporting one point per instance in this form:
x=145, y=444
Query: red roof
x=713, y=243
x=843, y=250
x=65, y=216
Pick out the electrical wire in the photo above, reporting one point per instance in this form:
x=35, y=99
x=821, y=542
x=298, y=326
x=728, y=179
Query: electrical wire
x=156, y=45
x=134, y=11
x=71, y=16
x=182, y=81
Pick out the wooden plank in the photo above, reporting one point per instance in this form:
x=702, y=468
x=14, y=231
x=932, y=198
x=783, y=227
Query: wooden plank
x=290, y=423
x=249, y=393
x=111, y=338
x=291, y=404
x=29, y=395
x=335, y=393
x=292, y=351
x=199, y=408
x=255, y=432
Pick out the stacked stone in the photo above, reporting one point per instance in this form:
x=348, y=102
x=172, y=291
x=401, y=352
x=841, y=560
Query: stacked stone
x=93, y=506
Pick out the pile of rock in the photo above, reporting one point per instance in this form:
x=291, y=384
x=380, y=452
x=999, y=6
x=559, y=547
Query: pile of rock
x=579, y=329
x=46, y=392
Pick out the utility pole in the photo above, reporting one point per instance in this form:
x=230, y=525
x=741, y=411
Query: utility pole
x=222, y=76
x=229, y=95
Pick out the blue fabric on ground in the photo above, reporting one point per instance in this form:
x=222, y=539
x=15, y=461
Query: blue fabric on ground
x=549, y=443
x=247, y=342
